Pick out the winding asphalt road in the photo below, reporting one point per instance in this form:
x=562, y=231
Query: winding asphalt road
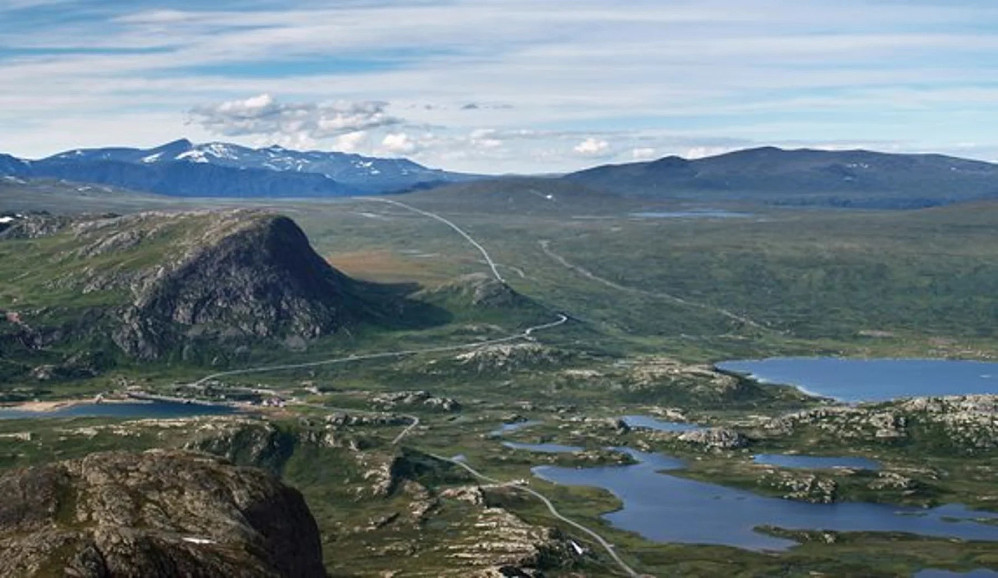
x=460, y=231
x=525, y=334
x=554, y=512
x=546, y=247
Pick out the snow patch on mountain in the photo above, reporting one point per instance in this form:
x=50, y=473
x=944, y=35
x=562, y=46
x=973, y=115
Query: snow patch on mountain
x=194, y=156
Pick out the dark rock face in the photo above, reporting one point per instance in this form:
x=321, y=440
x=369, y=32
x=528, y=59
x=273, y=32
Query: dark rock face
x=258, y=278
x=154, y=514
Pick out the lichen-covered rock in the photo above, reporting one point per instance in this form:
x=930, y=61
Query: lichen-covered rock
x=416, y=398
x=967, y=424
x=245, y=442
x=802, y=487
x=715, y=438
x=503, y=541
x=33, y=225
x=154, y=514
x=510, y=357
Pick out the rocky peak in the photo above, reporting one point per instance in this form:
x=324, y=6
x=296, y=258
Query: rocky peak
x=239, y=275
x=160, y=513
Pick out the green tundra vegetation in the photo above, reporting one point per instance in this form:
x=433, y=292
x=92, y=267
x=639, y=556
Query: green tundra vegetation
x=652, y=303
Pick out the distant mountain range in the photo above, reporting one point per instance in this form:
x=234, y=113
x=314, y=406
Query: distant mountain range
x=182, y=168
x=854, y=178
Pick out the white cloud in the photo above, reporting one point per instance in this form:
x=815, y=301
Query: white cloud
x=263, y=115
x=856, y=70
x=642, y=153
x=485, y=139
x=398, y=144
x=592, y=147
x=352, y=141
x=699, y=152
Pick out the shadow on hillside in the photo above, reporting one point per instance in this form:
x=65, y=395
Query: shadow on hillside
x=392, y=307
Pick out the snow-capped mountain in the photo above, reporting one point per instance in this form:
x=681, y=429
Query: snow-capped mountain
x=183, y=168
x=13, y=166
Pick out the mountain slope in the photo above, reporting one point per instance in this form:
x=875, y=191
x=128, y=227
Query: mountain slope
x=160, y=513
x=186, y=179
x=522, y=196
x=13, y=167
x=808, y=177
x=153, y=285
x=182, y=168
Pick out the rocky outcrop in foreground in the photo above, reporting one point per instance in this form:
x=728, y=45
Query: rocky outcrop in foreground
x=154, y=514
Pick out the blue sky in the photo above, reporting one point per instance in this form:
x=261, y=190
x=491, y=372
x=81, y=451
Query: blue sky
x=502, y=85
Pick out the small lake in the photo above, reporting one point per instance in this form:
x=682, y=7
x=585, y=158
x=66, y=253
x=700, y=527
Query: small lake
x=644, y=421
x=512, y=427
x=667, y=508
x=543, y=448
x=138, y=409
x=692, y=214
x=855, y=380
x=934, y=573
x=815, y=462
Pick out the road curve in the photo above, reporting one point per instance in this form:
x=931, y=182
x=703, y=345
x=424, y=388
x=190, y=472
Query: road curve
x=408, y=428
x=525, y=334
x=546, y=248
x=460, y=231
x=554, y=512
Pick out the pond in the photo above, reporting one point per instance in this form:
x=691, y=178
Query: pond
x=543, y=448
x=513, y=426
x=855, y=380
x=137, y=409
x=816, y=462
x=644, y=421
x=667, y=508
x=934, y=573
x=692, y=214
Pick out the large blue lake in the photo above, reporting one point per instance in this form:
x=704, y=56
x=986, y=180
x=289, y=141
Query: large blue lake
x=667, y=508
x=854, y=380
x=157, y=409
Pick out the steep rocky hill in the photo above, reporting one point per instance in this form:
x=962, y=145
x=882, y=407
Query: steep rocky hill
x=160, y=513
x=194, y=284
x=254, y=277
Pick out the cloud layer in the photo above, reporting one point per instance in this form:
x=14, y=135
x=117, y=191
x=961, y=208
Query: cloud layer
x=302, y=122
x=502, y=85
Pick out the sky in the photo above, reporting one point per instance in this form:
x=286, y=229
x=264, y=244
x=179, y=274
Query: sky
x=502, y=86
